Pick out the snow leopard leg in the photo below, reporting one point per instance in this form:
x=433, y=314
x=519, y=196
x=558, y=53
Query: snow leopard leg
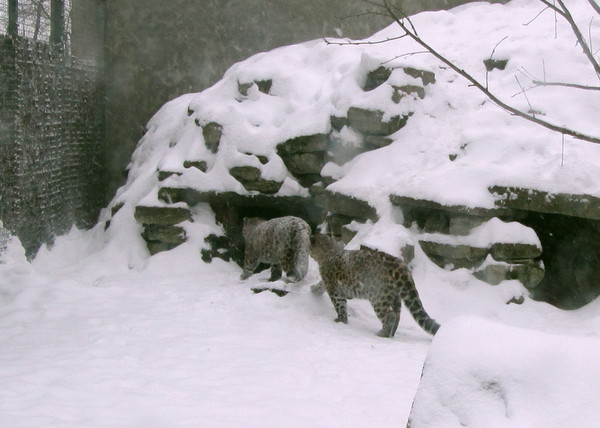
x=388, y=312
x=276, y=272
x=250, y=264
x=339, y=303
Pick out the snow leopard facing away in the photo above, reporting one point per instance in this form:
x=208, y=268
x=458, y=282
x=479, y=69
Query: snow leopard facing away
x=283, y=243
x=368, y=274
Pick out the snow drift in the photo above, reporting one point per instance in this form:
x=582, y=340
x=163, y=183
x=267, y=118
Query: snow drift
x=484, y=374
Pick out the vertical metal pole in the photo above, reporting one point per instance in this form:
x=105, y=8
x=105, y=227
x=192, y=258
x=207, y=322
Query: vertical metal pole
x=13, y=18
x=57, y=21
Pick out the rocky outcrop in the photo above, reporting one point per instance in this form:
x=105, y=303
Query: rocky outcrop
x=558, y=270
x=448, y=241
x=304, y=157
x=584, y=206
x=251, y=179
x=161, y=226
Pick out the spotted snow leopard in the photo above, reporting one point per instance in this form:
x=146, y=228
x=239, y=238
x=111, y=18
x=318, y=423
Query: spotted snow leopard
x=368, y=274
x=283, y=243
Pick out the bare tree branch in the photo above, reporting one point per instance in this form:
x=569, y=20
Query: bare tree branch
x=553, y=7
x=566, y=85
x=594, y=6
x=586, y=49
x=475, y=83
x=543, y=82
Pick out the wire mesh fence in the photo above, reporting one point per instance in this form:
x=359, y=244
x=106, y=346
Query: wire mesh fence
x=34, y=19
x=4, y=240
x=51, y=135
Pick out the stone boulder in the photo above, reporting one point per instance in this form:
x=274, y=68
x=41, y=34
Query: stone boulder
x=371, y=122
x=251, y=179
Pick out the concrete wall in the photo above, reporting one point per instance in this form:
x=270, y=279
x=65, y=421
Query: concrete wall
x=157, y=50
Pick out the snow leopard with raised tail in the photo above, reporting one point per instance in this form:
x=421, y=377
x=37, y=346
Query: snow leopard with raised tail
x=369, y=274
x=283, y=243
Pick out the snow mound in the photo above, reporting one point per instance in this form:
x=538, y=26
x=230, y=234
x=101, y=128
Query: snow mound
x=483, y=374
x=455, y=145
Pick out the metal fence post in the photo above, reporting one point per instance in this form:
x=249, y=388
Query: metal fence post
x=57, y=21
x=13, y=18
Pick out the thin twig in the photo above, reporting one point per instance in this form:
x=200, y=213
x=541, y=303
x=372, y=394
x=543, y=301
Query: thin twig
x=566, y=85
x=365, y=42
x=497, y=44
x=365, y=13
x=544, y=68
x=531, y=110
x=537, y=82
x=526, y=73
x=491, y=96
x=562, y=151
x=487, y=72
x=404, y=55
x=591, y=41
x=536, y=17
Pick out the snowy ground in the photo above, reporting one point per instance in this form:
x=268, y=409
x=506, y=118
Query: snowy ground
x=87, y=341
x=82, y=347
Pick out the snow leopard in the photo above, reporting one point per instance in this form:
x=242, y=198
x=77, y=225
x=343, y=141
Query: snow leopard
x=369, y=274
x=283, y=243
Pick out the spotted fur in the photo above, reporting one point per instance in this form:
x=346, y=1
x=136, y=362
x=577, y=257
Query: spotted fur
x=368, y=274
x=283, y=243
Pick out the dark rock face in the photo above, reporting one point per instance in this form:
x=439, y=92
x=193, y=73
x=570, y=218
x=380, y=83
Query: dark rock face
x=427, y=77
x=165, y=233
x=584, y=206
x=514, y=252
x=376, y=78
x=304, y=157
x=162, y=215
x=212, y=133
x=565, y=273
x=401, y=91
x=160, y=232
x=218, y=247
x=163, y=237
x=491, y=64
x=251, y=179
x=571, y=255
x=200, y=165
x=371, y=121
x=460, y=256
x=303, y=144
x=263, y=86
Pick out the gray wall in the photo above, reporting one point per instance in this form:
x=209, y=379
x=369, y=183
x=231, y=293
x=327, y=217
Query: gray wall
x=157, y=50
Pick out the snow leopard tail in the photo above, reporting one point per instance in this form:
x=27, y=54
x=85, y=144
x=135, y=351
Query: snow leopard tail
x=301, y=244
x=410, y=297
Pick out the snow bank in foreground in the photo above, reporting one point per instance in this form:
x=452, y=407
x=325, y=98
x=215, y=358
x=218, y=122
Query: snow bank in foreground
x=483, y=374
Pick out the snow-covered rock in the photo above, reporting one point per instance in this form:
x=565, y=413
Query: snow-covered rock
x=359, y=132
x=484, y=374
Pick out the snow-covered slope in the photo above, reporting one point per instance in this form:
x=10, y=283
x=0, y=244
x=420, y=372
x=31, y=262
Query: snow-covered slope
x=455, y=145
